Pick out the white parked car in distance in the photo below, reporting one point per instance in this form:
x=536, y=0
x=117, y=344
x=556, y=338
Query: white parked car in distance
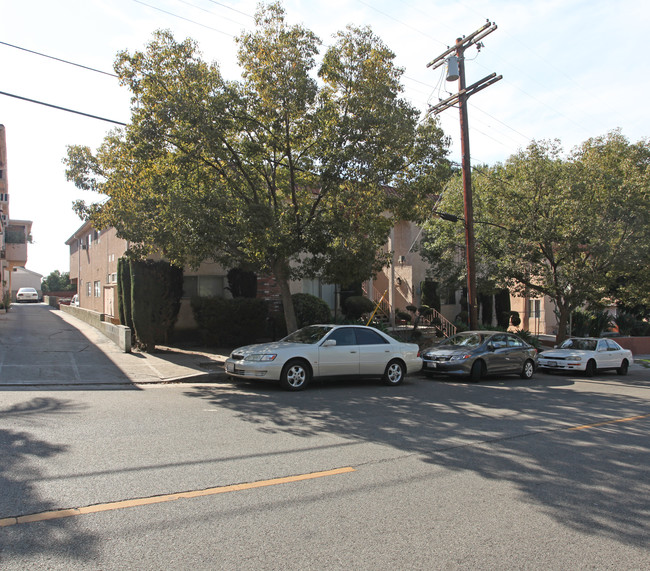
x=586, y=354
x=319, y=351
x=27, y=294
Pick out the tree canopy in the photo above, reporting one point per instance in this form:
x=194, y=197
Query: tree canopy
x=285, y=171
x=574, y=228
x=57, y=281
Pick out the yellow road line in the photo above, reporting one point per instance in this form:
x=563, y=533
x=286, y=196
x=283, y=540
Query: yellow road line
x=630, y=418
x=57, y=514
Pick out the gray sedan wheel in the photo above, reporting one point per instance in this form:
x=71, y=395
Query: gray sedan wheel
x=528, y=370
x=295, y=375
x=478, y=371
x=394, y=374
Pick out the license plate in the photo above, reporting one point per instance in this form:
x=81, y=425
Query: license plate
x=432, y=365
x=230, y=367
x=552, y=364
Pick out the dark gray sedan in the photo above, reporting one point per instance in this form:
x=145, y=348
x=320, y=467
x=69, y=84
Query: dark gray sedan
x=476, y=354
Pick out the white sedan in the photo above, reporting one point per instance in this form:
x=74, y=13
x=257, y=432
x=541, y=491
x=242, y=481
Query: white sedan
x=586, y=354
x=27, y=294
x=326, y=351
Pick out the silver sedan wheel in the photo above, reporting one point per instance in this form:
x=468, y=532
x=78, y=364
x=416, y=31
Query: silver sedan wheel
x=295, y=376
x=394, y=373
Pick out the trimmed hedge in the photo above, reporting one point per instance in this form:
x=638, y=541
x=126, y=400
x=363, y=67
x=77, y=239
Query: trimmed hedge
x=148, y=299
x=356, y=306
x=310, y=309
x=230, y=322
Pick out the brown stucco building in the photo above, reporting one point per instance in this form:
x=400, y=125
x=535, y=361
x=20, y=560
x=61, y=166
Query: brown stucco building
x=14, y=234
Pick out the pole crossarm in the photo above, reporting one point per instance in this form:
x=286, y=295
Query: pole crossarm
x=471, y=90
x=465, y=42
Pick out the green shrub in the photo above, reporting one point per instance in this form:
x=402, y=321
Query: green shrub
x=626, y=323
x=156, y=289
x=502, y=308
x=430, y=295
x=356, y=306
x=242, y=283
x=230, y=322
x=515, y=319
x=310, y=309
x=601, y=321
x=580, y=323
x=403, y=315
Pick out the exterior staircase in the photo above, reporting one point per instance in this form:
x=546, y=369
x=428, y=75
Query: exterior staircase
x=435, y=319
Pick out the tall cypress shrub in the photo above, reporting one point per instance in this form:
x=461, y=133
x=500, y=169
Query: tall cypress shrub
x=502, y=308
x=124, y=292
x=156, y=289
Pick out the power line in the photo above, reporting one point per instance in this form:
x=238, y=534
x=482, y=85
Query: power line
x=59, y=59
x=183, y=18
x=211, y=12
x=230, y=8
x=62, y=108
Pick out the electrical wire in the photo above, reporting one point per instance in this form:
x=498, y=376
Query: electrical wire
x=59, y=59
x=209, y=12
x=184, y=18
x=231, y=8
x=62, y=108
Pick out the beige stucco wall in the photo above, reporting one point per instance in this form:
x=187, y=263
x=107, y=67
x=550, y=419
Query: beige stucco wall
x=93, y=259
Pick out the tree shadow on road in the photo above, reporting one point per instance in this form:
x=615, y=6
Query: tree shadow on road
x=20, y=455
x=595, y=480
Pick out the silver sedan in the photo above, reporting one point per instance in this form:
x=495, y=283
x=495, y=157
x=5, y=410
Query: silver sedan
x=320, y=351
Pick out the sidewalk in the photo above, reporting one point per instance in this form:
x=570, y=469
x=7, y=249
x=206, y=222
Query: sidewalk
x=45, y=347
x=166, y=365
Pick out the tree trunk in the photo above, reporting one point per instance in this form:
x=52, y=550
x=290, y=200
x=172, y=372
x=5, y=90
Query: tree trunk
x=280, y=271
x=562, y=323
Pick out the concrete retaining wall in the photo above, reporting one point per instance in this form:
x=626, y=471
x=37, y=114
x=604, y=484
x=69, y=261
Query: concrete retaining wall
x=119, y=334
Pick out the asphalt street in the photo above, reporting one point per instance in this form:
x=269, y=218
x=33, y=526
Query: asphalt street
x=550, y=473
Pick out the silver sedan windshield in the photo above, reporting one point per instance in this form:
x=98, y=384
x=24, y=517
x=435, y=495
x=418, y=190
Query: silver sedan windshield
x=308, y=335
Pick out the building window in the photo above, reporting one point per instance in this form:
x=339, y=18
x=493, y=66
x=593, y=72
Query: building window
x=89, y=290
x=203, y=286
x=534, y=308
x=98, y=289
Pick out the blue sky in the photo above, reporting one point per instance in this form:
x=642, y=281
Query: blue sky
x=572, y=70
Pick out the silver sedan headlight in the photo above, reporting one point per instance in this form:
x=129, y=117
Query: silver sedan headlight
x=460, y=357
x=260, y=357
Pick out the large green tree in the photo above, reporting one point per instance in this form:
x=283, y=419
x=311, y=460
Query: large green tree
x=57, y=281
x=285, y=171
x=574, y=228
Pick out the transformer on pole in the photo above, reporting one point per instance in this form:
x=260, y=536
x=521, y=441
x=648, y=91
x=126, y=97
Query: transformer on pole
x=455, y=59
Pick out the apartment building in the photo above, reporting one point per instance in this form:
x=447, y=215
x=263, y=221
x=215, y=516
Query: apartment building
x=93, y=269
x=14, y=234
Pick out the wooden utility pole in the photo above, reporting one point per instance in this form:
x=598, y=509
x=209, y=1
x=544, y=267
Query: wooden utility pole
x=456, y=70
